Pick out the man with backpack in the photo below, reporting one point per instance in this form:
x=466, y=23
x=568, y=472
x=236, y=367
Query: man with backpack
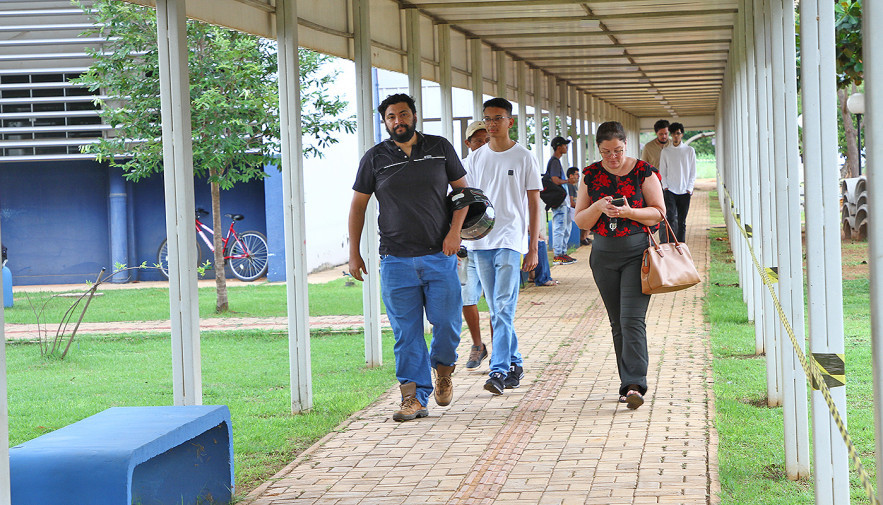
x=561, y=218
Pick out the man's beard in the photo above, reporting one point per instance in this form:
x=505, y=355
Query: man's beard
x=405, y=135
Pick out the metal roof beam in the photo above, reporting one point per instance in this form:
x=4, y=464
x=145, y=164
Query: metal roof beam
x=616, y=46
x=595, y=18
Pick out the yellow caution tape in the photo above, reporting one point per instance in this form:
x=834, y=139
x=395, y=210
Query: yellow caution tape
x=815, y=376
x=832, y=368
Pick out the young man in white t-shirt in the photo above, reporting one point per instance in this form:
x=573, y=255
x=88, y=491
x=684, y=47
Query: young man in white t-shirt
x=510, y=177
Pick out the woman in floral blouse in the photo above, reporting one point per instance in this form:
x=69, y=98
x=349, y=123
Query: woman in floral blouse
x=620, y=228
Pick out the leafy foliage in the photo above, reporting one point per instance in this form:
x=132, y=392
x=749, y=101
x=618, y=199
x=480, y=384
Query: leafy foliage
x=848, y=38
x=233, y=92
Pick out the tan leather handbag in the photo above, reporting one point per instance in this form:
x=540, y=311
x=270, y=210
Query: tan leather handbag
x=667, y=267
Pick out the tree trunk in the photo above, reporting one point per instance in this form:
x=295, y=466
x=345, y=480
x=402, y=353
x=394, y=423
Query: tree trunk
x=850, y=169
x=220, y=279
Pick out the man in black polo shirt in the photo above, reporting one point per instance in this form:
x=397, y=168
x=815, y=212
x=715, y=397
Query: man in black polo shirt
x=410, y=173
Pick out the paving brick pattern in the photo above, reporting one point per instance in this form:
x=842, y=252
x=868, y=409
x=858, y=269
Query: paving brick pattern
x=561, y=438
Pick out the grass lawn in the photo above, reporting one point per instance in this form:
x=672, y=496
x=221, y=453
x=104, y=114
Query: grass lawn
x=751, y=434
x=259, y=299
x=245, y=370
x=706, y=168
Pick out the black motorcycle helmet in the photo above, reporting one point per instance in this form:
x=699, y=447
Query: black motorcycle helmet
x=480, y=216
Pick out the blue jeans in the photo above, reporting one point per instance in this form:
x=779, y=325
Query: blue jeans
x=410, y=285
x=541, y=274
x=500, y=272
x=470, y=284
x=560, y=229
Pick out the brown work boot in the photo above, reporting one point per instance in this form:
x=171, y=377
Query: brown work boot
x=444, y=388
x=411, y=408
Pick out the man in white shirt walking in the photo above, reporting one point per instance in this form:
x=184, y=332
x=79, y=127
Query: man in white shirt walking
x=510, y=177
x=677, y=166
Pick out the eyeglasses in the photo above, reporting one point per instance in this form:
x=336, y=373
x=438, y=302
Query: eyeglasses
x=607, y=154
x=496, y=119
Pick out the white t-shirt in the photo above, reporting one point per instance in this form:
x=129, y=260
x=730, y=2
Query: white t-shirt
x=505, y=177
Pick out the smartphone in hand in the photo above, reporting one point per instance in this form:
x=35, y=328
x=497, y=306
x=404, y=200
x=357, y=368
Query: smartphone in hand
x=619, y=202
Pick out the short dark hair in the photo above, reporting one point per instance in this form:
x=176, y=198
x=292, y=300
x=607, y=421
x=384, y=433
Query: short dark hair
x=501, y=103
x=609, y=131
x=662, y=123
x=394, y=99
x=676, y=127
x=571, y=170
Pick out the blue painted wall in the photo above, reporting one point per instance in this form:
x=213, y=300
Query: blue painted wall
x=55, y=219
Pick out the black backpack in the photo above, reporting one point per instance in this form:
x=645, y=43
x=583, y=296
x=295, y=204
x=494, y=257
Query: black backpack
x=552, y=194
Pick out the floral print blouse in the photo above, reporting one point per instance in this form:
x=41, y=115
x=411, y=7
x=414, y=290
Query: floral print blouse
x=601, y=183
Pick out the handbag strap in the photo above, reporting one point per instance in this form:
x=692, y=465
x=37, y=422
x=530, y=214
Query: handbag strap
x=671, y=233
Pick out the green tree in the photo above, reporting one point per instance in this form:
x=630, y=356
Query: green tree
x=704, y=146
x=234, y=103
x=849, y=68
x=848, y=39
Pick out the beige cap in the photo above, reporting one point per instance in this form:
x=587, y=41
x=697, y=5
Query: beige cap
x=474, y=127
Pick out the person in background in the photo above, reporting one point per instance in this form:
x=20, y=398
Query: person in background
x=651, y=150
x=510, y=177
x=470, y=284
x=572, y=182
x=619, y=197
x=542, y=275
x=561, y=214
x=409, y=174
x=677, y=168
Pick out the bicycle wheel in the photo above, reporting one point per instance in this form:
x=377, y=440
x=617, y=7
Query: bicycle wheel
x=162, y=257
x=252, y=247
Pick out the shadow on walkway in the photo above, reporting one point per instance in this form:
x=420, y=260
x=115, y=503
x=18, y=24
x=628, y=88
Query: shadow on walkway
x=562, y=437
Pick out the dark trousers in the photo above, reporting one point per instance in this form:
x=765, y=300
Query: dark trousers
x=676, y=209
x=616, y=267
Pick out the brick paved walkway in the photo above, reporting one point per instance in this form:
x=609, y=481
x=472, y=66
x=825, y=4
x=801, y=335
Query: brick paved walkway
x=561, y=438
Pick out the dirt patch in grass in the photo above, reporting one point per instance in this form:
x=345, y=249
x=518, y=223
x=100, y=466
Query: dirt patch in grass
x=755, y=401
x=774, y=472
x=855, y=259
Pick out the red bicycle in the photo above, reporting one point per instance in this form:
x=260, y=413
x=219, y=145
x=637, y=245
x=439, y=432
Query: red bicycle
x=246, y=252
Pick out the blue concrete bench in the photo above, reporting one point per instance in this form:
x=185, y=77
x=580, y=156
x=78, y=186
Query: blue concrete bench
x=129, y=455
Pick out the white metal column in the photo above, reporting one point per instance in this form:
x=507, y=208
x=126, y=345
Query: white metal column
x=300, y=370
x=171, y=21
x=785, y=160
x=538, y=115
x=583, y=135
x=415, y=72
x=445, y=81
x=553, y=109
x=521, y=78
x=562, y=109
x=872, y=16
x=575, y=129
x=822, y=209
x=477, y=80
x=764, y=322
x=370, y=233
x=501, y=73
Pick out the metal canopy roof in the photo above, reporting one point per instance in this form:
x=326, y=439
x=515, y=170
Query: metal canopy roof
x=648, y=58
